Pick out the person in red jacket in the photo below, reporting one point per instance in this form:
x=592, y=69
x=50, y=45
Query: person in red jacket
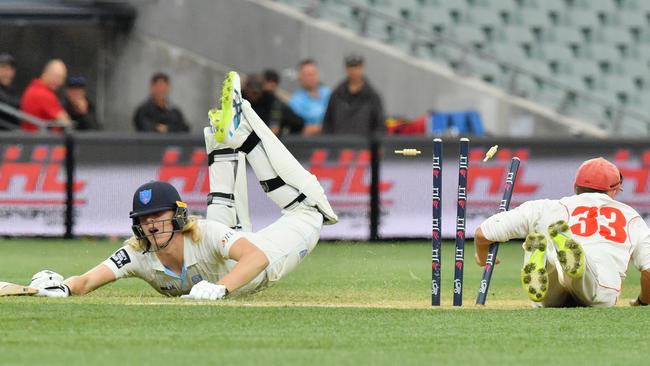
x=40, y=98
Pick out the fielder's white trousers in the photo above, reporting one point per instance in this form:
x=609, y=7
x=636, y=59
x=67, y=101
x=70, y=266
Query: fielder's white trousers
x=589, y=290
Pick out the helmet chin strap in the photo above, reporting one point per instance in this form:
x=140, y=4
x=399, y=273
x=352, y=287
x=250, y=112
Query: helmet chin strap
x=160, y=247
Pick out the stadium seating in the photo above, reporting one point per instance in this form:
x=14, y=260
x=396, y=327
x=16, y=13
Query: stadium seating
x=462, y=122
x=599, y=47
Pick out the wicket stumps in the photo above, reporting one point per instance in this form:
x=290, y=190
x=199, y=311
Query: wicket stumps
x=436, y=220
x=511, y=178
x=461, y=205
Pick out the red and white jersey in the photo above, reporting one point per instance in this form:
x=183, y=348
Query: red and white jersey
x=610, y=232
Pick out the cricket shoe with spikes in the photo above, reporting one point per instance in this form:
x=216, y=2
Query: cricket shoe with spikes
x=225, y=120
x=570, y=253
x=534, y=277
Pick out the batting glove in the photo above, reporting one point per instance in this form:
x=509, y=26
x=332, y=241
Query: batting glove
x=61, y=290
x=49, y=284
x=46, y=278
x=205, y=290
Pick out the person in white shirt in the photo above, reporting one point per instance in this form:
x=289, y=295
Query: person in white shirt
x=207, y=259
x=577, y=248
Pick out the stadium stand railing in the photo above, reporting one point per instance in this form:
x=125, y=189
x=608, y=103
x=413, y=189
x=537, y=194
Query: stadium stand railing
x=43, y=126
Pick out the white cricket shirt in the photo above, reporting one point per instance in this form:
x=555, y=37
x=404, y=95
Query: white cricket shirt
x=207, y=260
x=610, y=232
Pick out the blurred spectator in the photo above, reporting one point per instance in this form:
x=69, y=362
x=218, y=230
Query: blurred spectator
x=157, y=114
x=276, y=114
x=7, y=94
x=79, y=108
x=310, y=100
x=354, y=107
x=40, y=99
x=271, y=81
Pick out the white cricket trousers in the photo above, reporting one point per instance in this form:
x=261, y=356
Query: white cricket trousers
x=286, y=242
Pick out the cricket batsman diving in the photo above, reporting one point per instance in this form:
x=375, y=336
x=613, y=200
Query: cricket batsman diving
x=577, y=248
x=206, y=259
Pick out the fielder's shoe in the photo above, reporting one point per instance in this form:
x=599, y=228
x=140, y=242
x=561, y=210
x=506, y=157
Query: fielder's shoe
x=225, y=120
x=534, y=277
x=569, y=252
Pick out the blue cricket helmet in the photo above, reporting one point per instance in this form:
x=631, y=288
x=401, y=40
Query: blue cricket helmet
x=153, y=197
x=157, y=196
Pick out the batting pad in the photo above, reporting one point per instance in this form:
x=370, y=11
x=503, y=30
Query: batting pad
x=287, y=167
x=11, y=289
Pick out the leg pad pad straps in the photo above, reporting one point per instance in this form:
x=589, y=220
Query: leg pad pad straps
x=249, y=144
x=222, y=155
x=301, y=197
x=227, y=199
x=272, y=184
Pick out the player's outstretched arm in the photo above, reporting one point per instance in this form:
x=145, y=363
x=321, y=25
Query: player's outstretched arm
x=51, y=284
x=90, y=281
x=251, y=261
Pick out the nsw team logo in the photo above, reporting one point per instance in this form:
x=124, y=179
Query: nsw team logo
x=196, y=279
x=145, y=196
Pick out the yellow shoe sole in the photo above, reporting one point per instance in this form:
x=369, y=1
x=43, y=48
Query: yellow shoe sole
x=534, y=277
x=570, y=253
x=221, y=118
x=215, y=117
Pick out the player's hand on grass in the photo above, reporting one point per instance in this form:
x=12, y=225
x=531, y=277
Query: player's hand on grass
x=61, y=290
x=46, y=278
x=637, y=302
x=205, y=290
x=49, y=284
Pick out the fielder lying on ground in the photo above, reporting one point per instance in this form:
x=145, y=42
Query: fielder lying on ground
x=592, y=238
x=208, y=259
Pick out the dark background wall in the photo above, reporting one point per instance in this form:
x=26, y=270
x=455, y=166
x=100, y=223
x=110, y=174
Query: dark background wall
x=79, y=46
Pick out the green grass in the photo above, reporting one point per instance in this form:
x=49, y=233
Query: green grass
x=348, y=304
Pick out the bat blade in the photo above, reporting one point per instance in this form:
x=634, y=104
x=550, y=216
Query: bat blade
x=11, y=289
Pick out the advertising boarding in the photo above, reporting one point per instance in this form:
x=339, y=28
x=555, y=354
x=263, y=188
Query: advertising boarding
x=108, y=170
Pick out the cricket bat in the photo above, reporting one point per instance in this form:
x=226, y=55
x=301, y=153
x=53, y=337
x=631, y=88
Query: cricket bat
x=11, y=289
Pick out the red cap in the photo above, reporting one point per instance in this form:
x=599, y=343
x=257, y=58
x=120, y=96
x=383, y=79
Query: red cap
x=598, y=174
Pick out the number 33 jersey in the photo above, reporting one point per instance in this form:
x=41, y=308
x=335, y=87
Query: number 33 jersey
x=610, y=232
